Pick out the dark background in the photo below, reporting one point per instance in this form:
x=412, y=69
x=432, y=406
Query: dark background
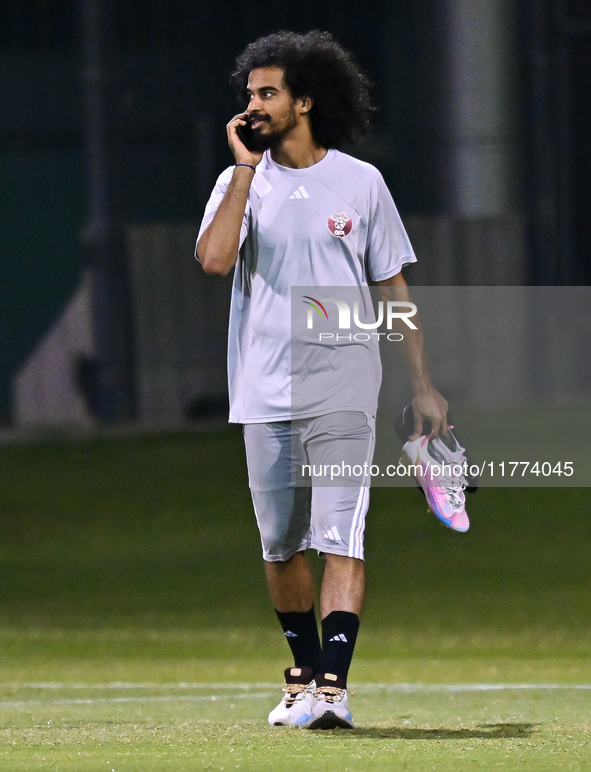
x=168, y=100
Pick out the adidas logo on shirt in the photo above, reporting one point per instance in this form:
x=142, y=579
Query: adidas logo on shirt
x=338, y=639
x=301, y=192
x=332, y=534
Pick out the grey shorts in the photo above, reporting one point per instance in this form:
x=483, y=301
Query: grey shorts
x=309, y=480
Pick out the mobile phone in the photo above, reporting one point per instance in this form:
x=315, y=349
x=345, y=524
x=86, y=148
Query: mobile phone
x=245, y=136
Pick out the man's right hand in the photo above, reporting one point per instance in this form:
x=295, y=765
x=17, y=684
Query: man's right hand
x=241, y=154
x=218, y=246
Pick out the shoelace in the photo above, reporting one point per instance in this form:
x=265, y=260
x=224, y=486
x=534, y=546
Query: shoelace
x=455, y=496
x=292, y=691
x=457, y=481
x=450, y=459
x=330, y=694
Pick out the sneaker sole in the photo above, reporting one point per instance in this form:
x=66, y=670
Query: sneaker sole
x=294, y=726
x=330, y=720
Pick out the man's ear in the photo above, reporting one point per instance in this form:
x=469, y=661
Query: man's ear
x=306, y=104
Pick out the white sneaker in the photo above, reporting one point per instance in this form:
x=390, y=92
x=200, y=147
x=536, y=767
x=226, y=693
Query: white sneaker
x=440, y=467
x=331, y=704
x=295, y=709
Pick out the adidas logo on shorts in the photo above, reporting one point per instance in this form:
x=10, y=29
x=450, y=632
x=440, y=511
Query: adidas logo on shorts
x=332, y=534
x=338, y=638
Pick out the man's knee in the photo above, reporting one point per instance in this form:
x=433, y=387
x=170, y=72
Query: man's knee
x=344, y=562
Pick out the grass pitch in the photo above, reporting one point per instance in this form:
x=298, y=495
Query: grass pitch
x=196, y=726
x=135, y=631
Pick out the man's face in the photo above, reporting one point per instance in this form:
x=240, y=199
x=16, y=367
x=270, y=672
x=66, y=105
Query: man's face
x=271, y=109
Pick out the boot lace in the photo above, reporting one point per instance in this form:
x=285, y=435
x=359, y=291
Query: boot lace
x=329, y=694
x=292, y=692
x=456, y=497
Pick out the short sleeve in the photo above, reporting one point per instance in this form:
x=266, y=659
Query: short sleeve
x=388, y=247
x=217, y=194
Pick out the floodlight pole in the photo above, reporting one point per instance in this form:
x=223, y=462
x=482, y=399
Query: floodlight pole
x=104, y=236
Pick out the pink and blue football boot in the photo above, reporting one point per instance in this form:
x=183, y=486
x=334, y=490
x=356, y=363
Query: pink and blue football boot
x=439, y=465
x=441, y=468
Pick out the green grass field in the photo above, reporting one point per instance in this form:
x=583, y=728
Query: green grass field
x=135, y=631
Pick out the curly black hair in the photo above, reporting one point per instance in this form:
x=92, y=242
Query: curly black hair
x=315, y=66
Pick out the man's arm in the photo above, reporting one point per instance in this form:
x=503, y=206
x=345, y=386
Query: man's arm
x=217, y=249
x=428, y=404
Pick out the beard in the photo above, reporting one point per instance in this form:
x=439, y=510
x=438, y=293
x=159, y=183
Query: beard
x=260, y=142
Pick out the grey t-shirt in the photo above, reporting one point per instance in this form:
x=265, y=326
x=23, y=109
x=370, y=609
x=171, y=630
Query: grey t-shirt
x=333, y=224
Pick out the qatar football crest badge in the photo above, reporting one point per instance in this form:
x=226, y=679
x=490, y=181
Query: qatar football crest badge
x=340, y=224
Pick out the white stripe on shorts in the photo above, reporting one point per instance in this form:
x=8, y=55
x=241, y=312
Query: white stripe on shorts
x=358, y=524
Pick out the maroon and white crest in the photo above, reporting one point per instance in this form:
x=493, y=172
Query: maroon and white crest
x=340, y=224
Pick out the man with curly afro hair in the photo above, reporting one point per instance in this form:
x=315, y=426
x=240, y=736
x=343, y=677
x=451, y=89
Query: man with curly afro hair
x=295, y=211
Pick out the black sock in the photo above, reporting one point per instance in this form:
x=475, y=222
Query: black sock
x=339, y=633
x=301, y=632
